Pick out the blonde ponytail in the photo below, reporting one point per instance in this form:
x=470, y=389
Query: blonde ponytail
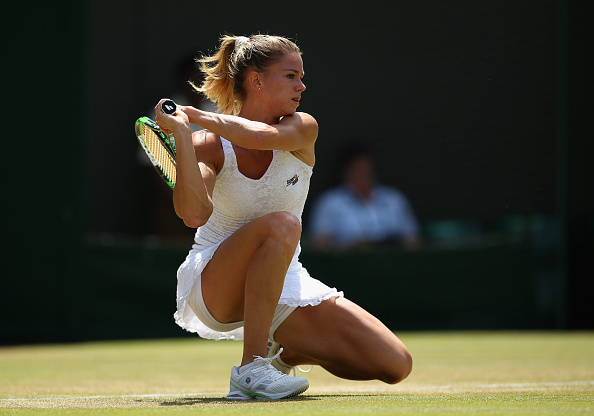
x=224, y=72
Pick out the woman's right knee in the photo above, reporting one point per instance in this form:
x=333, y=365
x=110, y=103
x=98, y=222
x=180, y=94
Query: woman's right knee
x=397, y=369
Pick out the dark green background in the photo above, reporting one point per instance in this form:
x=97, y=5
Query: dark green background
x=478, y=111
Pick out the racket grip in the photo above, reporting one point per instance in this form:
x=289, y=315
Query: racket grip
x=168, y=107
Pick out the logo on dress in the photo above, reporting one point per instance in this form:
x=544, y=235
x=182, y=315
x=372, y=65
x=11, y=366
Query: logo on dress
x=291, y=182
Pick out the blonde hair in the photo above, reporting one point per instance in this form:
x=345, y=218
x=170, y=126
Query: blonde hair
x=225, y=70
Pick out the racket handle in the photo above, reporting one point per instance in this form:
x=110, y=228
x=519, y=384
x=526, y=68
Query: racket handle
x=168, y=107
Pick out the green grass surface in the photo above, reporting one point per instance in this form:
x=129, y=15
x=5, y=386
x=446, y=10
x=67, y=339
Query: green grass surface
x=490, y=373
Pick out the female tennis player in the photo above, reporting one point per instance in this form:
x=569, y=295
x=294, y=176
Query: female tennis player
x=243, y=182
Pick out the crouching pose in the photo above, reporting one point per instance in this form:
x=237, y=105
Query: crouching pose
x=243, y=182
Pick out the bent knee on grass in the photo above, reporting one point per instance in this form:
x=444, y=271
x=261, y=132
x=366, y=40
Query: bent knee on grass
x=397, y=369
x=389, y=362
x=346, y=340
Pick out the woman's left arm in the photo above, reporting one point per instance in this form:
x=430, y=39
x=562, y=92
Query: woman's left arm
x=295, y=132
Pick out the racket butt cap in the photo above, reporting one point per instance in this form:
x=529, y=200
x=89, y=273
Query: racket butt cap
x=168, y=107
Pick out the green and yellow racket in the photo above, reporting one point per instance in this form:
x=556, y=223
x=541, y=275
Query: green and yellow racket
x=158, y=146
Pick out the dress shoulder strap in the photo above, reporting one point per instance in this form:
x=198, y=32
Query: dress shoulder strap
x=230, y=162
x=230, y=158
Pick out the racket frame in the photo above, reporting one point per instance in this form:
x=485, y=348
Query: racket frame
x=166, y=141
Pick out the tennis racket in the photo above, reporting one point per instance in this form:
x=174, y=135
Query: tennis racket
x=158, y=146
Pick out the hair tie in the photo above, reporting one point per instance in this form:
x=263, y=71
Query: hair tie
x=240, y=41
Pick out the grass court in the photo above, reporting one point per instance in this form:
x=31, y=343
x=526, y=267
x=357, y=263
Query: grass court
x=455, y=373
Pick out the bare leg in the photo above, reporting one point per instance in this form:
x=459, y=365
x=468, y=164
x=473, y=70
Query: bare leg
x=344, y=339
x=245, y=277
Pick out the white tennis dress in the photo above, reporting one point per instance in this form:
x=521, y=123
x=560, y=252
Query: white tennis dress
x=237, y=201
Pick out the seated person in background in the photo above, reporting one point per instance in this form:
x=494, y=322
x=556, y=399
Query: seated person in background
x=360, y=211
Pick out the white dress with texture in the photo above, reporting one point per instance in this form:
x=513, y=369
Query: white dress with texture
x=237, y=201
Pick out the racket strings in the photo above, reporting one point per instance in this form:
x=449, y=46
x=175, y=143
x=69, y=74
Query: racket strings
x=157, y=148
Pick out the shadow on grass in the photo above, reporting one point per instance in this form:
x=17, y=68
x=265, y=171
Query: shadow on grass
x=194, y=401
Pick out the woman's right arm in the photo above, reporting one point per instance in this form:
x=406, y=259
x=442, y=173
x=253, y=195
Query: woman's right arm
x=196, y=176
x=196, y=170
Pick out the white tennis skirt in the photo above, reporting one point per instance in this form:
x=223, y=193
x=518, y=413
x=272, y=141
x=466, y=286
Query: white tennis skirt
x=300, y=289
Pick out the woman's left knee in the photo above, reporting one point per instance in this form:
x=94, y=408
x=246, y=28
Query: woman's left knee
x=283, y=226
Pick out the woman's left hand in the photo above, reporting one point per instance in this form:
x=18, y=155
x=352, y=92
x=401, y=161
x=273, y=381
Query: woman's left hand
x=170, y=122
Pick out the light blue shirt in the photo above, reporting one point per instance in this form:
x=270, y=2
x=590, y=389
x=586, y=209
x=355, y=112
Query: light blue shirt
x=347, y=219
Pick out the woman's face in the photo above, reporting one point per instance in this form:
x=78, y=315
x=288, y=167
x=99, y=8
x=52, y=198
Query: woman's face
x=282, y=84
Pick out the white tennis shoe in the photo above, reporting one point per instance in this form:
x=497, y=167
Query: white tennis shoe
x=260, y=380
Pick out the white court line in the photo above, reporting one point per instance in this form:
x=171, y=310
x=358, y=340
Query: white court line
x=501, y=385
x=546, y=384
x=461, y=386
x=117, y=396
x=395, y=390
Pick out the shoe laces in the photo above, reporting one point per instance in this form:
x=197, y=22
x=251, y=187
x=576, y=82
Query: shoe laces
x=266, y=365
x=268, y=360
x=302, y=370
x=257, y=358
